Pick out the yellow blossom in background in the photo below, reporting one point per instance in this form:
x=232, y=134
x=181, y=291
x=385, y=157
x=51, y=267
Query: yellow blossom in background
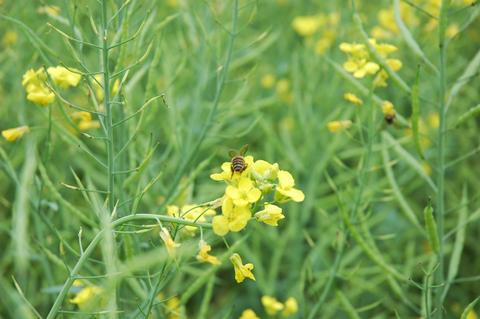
x=335, y=126
x=193, y=213
x=249, y=314
x=88, y=125
x=272, y=306
x=306, y=26
x=98, y=84
x=204, y=256
x=174, y=309
x=169, y=243
x=290, y=307
x=172, y=3
x=37, y=91
x=387, y=108
x=270, y=215
x=352, y=98
x=433, y=120
x=84, y=121
x=286, y=188
x=88, y=298
x=9, y=38
x=268, y=81
x=472, y=314
x=233, y=218
x=50, y=10
x=13, y=134
x=241, y=271
x=358, y=60
x=427, y=168
x=63, y=77
x=283, y=91
x=245, y=193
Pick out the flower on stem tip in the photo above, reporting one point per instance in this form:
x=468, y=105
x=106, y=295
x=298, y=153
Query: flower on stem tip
x=241, y=271
x=270, y=215
x=63, y=77
x=285, y=187
x=13, y=134
x=203, y=255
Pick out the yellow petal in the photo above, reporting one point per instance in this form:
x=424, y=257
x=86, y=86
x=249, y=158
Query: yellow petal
x=220, y=225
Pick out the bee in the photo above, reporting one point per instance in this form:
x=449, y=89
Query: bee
x=238, y=162
x=389, y=118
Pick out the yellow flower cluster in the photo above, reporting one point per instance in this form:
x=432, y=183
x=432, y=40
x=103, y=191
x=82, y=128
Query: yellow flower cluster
x=387, y=26
x=13, y=134
x=34, y=82
x=319, y=30
x=244, y=191
x=273, y=306
x=360, y=64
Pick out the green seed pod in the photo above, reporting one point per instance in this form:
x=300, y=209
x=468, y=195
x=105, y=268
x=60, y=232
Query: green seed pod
x=431, y=227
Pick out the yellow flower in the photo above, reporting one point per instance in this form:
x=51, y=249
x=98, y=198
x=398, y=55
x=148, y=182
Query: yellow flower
x=335, y=126
x=387, y=108
x=174, y=309
x=268, y=81
x=263, y=170
x=433, y=120
x=241, y=271
x=98, y=84
x=283, y=90
x=169, y=243
x=88, y=125
x=306, y=26
x=358, y=60
x=50, y=10
x=286, y=189
x=233, y=218
x=472, y=314
x=37, y=92
x=63, y=77
x=81, y=116
x=41, y=96
x=290, y=307
x=352, y=98
x=270, y=215
x=203, y=255
x=9, y=38
x=244, y=194
x=87, y=297
x=194, y=213
x=14, y=134
x=272, y=306
x=249, y=314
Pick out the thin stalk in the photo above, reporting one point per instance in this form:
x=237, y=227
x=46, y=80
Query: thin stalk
x=88, y=251
x=108, y=108
x=440, y=203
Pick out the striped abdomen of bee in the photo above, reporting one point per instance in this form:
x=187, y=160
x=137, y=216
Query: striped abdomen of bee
x=238, y=164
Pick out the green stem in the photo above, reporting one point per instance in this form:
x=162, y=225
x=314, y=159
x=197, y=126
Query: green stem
x=108, y=109
x=439, y=274
x=88, y=251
